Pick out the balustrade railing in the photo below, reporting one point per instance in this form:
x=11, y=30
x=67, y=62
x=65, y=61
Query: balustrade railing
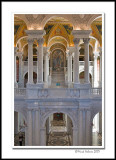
x=19, y=91
x=26, y=63
x=58, y=92
x=96, y=91
x=81, y=63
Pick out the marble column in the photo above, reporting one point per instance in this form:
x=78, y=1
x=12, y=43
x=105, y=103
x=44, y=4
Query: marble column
x=46, y=67
x=95, y=69
x=15, y=122
x=47, y=125
x=84, y=128
x=69, y=67
x=75, y=136
x=29, y=120
x=76, y=62
x=40, y=63
x=48, y=64
x=68, y=125
x=86, y=54
x=100, y=76
x=37, y=128
x=43, y=136
x=88, y=128
x=15, y=67
x=20, y=69
x=30, y=60
x=80, y=133
x=100, y=122
x=26, y=136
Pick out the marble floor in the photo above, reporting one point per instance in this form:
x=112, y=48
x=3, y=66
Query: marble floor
x=60, y=139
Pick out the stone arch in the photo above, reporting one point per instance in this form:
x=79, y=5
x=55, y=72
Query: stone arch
x=22, y=17
x=58, y=48
x=50, y=16
x=91, y=37
x=82, y=70
x=94, y=114
x=65, y=35
x=26, y=73
x=93, y=18
x=46, y=115
x=20, y=39
x=57, y=42
x=90, y=75
x=20, y=31
x=91, y=48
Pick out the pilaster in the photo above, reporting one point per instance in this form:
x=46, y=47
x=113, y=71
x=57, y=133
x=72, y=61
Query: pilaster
x=76, y=62
x=95, y=69
x=15, y=68
x=86, y=66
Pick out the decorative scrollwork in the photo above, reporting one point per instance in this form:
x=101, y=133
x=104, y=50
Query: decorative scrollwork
x=86, y=40
x=40, y=41
x=76, y=40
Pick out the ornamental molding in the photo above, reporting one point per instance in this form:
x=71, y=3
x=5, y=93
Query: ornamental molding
x=81, y=33
x=86, y=40
x=76, y=40
x=35, y=18
x=46, y=112
x=35, y=33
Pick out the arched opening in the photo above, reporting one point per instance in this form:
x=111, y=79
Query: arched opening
x=19, y=129
x=26, y=78
x=25, y=52
x=97, y=130
x=81, y=77
x=81, y=56
x=19, y=27
x=59, y=130
x=58, y=37
x=96, y=27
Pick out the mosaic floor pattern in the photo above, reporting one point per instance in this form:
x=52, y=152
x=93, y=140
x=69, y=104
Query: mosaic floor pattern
x=58, y=139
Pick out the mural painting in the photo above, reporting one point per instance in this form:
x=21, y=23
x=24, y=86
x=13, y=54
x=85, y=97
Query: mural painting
x=58, y=60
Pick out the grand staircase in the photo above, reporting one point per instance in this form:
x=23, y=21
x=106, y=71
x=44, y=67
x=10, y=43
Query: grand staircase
x=58, y=79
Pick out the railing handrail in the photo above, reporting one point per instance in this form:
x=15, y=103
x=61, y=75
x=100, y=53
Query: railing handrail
x=80, y=62
x=92, y=91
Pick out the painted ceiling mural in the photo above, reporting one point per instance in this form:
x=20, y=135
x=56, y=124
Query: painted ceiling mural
x=57, y=26
x=16, y=27
x=99, y=27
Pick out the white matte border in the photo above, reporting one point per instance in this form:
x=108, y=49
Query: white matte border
x=56, y=7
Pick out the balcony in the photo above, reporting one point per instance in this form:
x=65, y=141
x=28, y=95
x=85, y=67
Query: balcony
x=56, y=93
x=81, y=63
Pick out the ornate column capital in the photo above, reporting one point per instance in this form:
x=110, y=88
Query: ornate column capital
x=76, y=40
x=86, y=40
x=100, y=51
x=40, y=41
x=15, y=50
x=30, y=40
x=96, y=54
x=46, y=54
x=69, y=54
x=20, y=54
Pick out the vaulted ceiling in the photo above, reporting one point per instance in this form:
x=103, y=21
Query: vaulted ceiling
x=58, y=29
